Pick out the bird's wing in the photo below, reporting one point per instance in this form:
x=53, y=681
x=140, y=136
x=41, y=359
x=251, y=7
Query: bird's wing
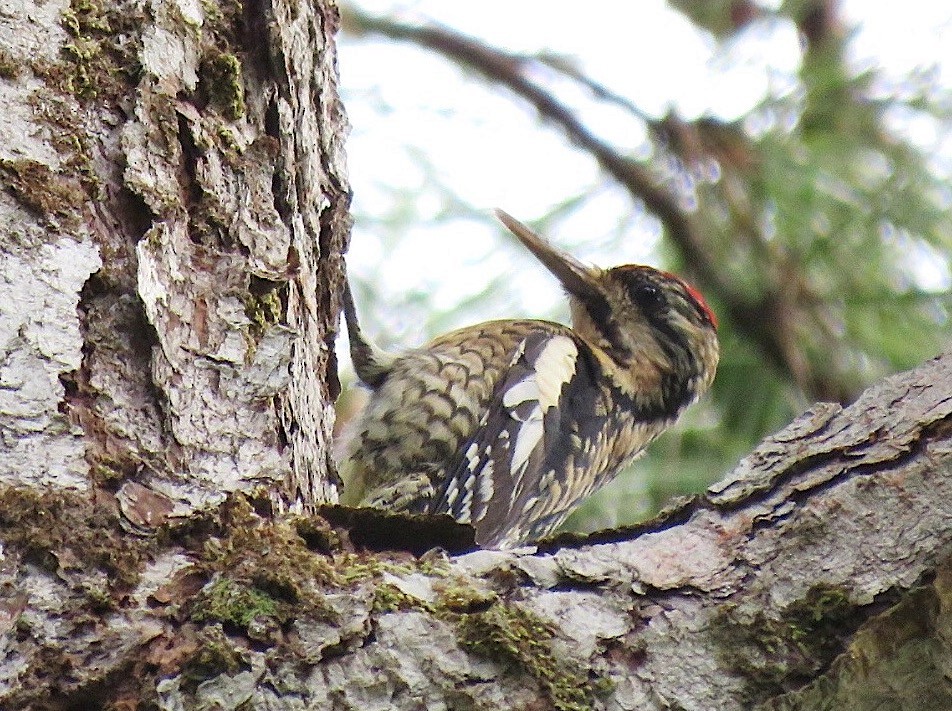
x=527, y=444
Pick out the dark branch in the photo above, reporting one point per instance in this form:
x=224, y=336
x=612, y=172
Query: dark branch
x=763, y=321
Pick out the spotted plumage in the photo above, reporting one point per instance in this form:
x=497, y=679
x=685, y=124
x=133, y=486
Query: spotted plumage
x=507, y=425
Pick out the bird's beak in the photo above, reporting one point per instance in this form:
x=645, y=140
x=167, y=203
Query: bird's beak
x=578, y=279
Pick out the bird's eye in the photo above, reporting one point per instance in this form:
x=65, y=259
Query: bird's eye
x=646, y=295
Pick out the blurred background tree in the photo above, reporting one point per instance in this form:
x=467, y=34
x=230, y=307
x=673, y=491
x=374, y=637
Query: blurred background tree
x=791, y=159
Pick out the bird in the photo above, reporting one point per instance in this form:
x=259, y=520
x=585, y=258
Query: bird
x=507, y=425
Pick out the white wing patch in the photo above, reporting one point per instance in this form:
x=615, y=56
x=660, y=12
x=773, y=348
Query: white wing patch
x=521, y=392
x=496, y=475
x=538, y=391
x=554, y=368
x=529, y=435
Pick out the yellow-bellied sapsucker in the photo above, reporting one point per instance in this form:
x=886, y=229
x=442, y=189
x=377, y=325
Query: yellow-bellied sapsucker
x=507, y=425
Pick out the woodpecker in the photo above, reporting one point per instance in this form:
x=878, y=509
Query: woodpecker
x=507, y=425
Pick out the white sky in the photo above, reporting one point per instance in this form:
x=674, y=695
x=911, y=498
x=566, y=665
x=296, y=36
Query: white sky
x=491, y=151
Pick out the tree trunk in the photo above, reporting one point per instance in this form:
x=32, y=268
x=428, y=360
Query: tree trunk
x=174, y=211
x=174, y=216
x=173, y=207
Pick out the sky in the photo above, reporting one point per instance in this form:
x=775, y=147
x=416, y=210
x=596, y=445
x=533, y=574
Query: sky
x=425, y=134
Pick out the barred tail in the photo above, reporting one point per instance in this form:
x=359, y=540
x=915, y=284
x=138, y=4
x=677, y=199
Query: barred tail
x=371, y=363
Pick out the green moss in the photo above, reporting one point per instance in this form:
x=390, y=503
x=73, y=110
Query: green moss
x=98, y=58
x=23, y=627
x=775, y=655
x=221, y=69
x=510, y=633
x=54, y=526
x=317, y=534
x=9, y=66
x=84, y=16
x=221, y=75
x=215, y=654
x=390, y=598
x=68, y=136
x=43, y=191
x=105, y=474
x=256, y=577
x=897, y=659
x=463, y=598
x=267, y=554
x=99, y=597
x=233, y=603
x=109, y=472
x=261, y=560
x=819, y=621
x=224, y=21
x=353, y=568
x=228, y=142
x=264, y=311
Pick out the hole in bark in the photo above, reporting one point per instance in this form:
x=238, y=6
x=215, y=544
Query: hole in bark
x=191, y=191
x=279, y=187
x=259, y=286
x=272, y=124
x=138, y=216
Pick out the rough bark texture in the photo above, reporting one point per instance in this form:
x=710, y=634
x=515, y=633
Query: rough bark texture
x=173, y=211
x=815, y=576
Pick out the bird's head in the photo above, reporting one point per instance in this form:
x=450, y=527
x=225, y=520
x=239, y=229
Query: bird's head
x=654, y=332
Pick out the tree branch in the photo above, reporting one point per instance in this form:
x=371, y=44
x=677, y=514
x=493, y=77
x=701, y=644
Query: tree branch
x=791, y=582
x=764, y=321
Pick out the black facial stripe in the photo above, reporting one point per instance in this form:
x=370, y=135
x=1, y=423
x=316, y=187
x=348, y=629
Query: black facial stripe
x=601, y=314
x=669, y=339
x=676, y=393
x=681, y=355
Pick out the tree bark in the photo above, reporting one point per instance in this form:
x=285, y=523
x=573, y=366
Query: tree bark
x=174, y=217
x=174, y=209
